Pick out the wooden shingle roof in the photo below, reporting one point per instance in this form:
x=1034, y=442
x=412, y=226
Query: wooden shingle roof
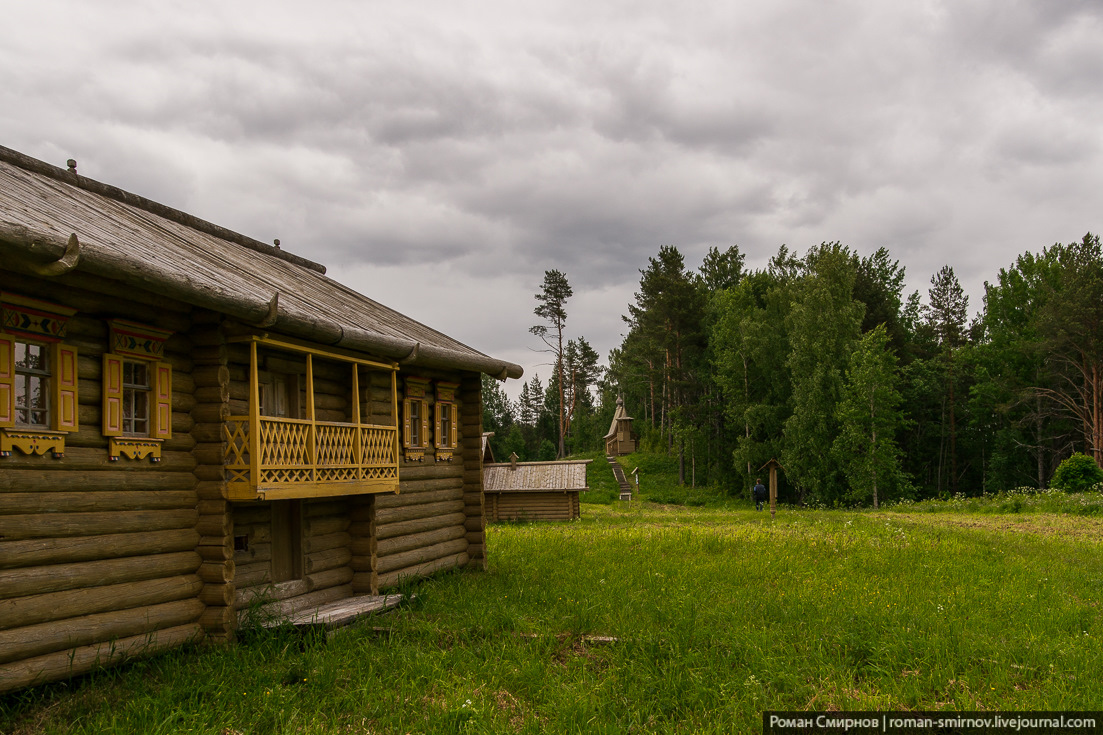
x=53, y=221
x=563, y=475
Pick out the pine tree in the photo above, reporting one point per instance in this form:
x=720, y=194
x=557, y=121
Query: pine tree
x=553, y=296
x=946, y=313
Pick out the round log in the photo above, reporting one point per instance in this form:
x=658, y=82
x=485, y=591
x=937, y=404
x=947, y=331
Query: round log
x=39, y=552
x=410, y=542
x=57, y=577
x=82, y=458
x=330, y=578
x=28, y=479
x=385, y=504
x=417, y=525
x=419, y=556
x=322, y=561
x=325, y=526
x=33, y=609
x=217, y=595
x=64, y=664
x=104, y=500
x=409, y=513
x=54, y=525
x=329, y=541
x=36, y=640
x=216, y=572
x=398, y=576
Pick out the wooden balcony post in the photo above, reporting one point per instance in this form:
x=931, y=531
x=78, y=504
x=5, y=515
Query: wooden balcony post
x=358, y=434
x=254, y=418
x=312, y=432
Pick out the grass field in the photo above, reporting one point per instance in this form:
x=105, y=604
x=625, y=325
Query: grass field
x=659, y=619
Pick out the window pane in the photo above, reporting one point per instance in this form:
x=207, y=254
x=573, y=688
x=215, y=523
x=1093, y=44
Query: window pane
x=415, y=423
x=136, y=374
x=30, y=357
x=31, y=400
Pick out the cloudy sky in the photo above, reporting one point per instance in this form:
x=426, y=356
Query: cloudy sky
x=440, y=156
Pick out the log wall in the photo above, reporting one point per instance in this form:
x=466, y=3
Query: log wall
x=98, y=559
x=533, y=506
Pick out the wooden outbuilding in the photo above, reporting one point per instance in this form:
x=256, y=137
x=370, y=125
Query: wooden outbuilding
x=620, y=439
x=193, y=422
x=534, y=491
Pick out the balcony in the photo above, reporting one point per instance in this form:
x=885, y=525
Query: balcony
x=299, y=458
x=278, y=458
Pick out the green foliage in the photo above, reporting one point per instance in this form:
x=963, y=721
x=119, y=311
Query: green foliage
x=547, y=451
x=1077, y=474
x=869, y=416
x=823, y=328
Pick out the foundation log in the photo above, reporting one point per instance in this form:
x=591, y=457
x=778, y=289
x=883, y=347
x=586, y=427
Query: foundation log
x=68, y=663
x=392, y=579
x=36, y=640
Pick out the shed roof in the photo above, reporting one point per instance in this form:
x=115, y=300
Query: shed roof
x=563, y=475
x=54, y=221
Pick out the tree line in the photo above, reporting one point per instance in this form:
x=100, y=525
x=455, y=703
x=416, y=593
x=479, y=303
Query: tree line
x=820, y=361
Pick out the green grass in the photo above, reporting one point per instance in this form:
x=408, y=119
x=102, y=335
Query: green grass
x=717, y=615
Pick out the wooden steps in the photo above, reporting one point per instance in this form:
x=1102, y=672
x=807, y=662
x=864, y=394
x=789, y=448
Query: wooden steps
x=340, y=613
x=618, y=473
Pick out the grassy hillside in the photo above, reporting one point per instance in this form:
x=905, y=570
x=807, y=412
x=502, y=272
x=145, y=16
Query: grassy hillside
x=658, y=475
x=659, y=618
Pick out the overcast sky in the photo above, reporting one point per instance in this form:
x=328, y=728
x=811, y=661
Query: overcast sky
x=440, y=156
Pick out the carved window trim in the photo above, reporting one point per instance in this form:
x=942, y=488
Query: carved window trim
x=415, y=419
x=133, y=344
x=446, y=421
x=31, y=322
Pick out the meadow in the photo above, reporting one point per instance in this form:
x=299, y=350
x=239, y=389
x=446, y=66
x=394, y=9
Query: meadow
x=655, y=618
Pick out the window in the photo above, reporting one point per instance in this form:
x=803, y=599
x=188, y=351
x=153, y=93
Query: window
x=38, y=377
x=135, y=402
x=414, y=407
x=415, y=421
x=137, y=392
x=280, y=394
x=32, y=385
x=447, y=429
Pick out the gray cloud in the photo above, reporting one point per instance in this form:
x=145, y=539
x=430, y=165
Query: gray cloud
x=484, y=144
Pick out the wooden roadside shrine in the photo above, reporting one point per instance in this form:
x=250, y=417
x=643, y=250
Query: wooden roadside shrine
x=773, y=465
x=194, y=423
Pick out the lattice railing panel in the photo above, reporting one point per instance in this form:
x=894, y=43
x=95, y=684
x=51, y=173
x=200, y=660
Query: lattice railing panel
x=378, y=446
x=336, y=443
x=289, y=455
x=284, y=443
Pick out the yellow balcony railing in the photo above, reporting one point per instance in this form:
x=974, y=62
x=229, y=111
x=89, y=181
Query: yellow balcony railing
x=298, y=458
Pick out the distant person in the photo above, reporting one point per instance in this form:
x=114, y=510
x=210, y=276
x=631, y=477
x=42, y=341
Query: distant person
x=759, y=493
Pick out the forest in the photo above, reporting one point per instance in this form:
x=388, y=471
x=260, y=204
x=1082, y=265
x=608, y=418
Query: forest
x=864, y=395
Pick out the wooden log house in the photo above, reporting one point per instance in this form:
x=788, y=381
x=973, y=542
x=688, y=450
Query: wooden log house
x=534, y=491
x=193, y=422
